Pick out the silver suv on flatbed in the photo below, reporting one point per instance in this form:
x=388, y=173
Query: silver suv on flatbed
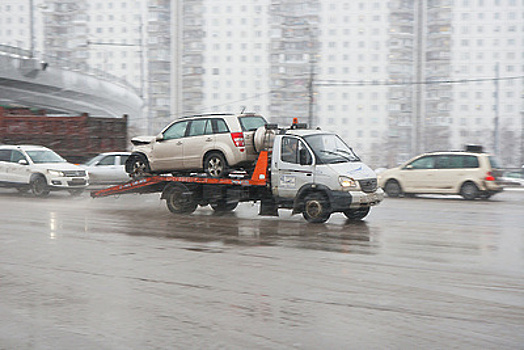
x=211, y=142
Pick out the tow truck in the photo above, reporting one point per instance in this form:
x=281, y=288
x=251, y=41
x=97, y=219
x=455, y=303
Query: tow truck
x=309, y=171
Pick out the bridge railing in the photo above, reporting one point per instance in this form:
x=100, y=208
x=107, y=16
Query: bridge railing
x=55, y=61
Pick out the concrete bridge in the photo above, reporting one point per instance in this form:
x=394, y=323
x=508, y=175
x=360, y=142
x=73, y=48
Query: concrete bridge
x=51, y=83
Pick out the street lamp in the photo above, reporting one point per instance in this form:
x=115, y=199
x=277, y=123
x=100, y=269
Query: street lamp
x=522, y=137
x=31, y=28
x=311, y=90
x=141, y=53
x=98, y=43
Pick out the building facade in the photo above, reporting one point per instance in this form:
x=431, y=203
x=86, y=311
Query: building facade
x=394, y=77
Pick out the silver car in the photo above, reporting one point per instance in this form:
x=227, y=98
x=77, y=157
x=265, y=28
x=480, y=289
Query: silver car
x=212, y=143
x=107, y=168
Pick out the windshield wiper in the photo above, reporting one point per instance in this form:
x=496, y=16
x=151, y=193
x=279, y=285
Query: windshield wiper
x=336, y=154
x=352, y=156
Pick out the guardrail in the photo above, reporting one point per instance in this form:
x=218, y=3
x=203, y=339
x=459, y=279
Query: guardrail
x=65, y=64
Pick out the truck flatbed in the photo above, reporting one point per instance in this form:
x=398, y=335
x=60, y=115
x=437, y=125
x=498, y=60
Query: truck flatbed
x=152, y=184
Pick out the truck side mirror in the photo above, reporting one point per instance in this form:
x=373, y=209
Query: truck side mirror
x=305, y=157
x=23, y=162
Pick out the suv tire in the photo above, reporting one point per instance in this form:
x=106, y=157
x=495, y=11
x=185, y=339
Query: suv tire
x=39, y=186
x=469, y=191
x=137, y=166
x=215, y=165
x=393, y=189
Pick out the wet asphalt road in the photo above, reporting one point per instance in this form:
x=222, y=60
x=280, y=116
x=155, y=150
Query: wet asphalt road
x=124, y=273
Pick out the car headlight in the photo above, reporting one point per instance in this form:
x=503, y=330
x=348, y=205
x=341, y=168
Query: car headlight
x=55, y=173
x=347, y=182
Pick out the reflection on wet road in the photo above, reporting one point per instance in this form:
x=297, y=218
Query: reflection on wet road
x=124, y=273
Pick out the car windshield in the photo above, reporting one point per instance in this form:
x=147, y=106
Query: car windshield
x=330, y=149
x=44, y=156
x=251, y=123
x=93, y=160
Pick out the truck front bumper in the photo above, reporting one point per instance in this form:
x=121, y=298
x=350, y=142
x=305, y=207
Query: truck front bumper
x=342, y=201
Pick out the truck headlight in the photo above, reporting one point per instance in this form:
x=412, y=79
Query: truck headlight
x=55, y=173
x=347, y=182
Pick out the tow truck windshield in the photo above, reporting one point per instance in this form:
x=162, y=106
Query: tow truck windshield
x=330, y=149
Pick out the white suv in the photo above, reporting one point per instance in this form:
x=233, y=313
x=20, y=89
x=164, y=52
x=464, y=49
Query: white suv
x=212, y=143
x=469, y=174
x=39, y=169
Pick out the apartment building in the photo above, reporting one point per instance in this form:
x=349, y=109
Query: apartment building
x=393, y=77
x=131, y=39
x=234, y=55
x=20, y=23
x=488, y=46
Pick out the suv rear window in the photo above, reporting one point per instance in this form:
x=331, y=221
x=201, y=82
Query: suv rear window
x=494, y=162
x=251, y=123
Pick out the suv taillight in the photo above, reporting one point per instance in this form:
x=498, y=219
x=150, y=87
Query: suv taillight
x=238, y=139
x=489, y=177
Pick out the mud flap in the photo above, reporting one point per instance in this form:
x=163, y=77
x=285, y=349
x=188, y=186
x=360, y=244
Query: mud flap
x=268, y=207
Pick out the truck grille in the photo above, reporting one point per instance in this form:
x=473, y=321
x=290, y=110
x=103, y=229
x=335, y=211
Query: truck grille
x=368, y=185
x=75, y=173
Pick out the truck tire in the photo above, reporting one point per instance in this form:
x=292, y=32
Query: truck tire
x=180, y=199
x=357, y=214
x=137, y=166
x=316, y=208
x=39, y=186
x=215, y=165
x=223, y=206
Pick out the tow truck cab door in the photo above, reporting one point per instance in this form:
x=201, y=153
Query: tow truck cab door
x=293, y=166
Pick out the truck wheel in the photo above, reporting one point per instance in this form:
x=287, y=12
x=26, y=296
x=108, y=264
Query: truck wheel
x=316, y=208
x=39, y=186
x=138, y=166
x=180, y=199
x=224, y=206
x=357, y=214
x=215, y=165
x=469, y=191
x=393, y=189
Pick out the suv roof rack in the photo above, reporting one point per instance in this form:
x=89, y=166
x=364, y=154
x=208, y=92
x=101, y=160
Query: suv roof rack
x=474, y=148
